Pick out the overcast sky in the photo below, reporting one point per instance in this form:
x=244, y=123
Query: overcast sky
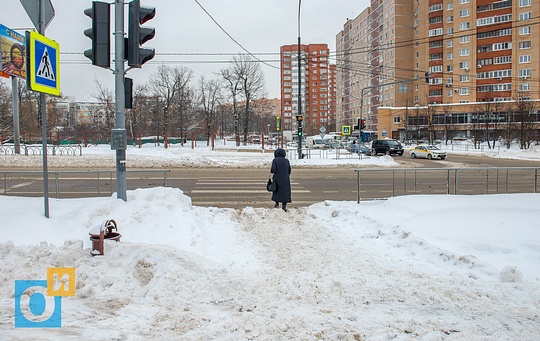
x=186, y=35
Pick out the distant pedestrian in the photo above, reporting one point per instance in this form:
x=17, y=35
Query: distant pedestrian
x=281, y=168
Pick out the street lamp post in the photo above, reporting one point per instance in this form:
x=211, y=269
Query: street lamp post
x=299, y=118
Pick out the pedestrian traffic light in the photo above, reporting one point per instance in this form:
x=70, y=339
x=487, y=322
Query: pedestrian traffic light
x=138, y=35
x=100, y=33
x=427, y=77
x=362, y=124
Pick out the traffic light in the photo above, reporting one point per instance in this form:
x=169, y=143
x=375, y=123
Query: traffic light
x=363, y=124
x=427, y=77
x=100, y=33
x=138, y=35
x=300, y=132
x=299, y=118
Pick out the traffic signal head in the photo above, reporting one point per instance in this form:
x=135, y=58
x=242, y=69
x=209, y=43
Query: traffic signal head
x=100, y=33
x=300, y=133
x=299, y=118
x=138, y=35
x=362, y=124
x=427, y=77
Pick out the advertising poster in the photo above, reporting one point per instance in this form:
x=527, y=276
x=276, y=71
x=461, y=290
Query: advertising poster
x=13, y=54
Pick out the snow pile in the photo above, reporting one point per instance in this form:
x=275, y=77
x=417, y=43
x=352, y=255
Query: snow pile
x=418, y=267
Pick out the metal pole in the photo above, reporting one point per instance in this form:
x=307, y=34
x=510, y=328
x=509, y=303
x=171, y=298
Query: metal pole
x=15, y=106
x=299, y=60
x=42, y=107
x=120, y=97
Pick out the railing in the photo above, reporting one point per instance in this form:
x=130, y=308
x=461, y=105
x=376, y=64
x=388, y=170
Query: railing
x=383, y=183
x=90, y=183
x=9, y=149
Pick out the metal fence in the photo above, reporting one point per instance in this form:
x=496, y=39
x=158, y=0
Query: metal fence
x=384, y=183
x=28, y=149
x=77, y=183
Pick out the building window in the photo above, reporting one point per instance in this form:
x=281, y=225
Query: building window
x=524, y=45
x=464, y=26
x=464, y=78
x=464, y=13
x=464, y=52
x=464, y=91
x=525, y=73
x=397, y=119
x=524, y=87
x=524, y=30
x=525, y=59
x=524, y=3
x=525, y=16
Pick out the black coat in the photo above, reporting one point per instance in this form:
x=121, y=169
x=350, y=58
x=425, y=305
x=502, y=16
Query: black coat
x=281, y=168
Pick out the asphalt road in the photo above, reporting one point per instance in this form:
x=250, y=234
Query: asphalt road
x=240, y=187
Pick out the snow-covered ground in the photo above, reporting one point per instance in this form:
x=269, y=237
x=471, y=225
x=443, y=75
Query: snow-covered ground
x=407, y=268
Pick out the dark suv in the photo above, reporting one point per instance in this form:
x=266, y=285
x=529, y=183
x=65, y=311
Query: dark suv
x=387, y=147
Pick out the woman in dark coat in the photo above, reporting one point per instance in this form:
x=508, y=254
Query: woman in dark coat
x=281, y=169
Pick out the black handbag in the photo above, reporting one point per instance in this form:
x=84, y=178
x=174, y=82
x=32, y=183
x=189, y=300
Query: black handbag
x=271, y=185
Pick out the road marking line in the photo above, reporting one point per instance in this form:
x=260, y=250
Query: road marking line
x=240, y=191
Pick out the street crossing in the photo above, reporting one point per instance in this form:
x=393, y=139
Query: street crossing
x=242, y=192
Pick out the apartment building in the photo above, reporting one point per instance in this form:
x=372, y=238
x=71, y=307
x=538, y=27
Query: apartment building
x=462, y=52
x=479, y=51
x=374, y=54
x=316, y=88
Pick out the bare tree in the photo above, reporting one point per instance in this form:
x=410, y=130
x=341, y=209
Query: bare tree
x=233, y=86
x=6, y=121
x=210, y=94
x=527, y=120
x=168, y=84
x=105, y=96
x=251, y=78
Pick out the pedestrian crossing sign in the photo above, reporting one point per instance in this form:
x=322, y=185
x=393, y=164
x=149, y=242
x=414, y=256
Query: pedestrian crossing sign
x=43, y=61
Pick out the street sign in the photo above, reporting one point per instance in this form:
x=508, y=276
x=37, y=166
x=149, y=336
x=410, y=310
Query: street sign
x=32, y=9
x=345, y=130
x=43, y=55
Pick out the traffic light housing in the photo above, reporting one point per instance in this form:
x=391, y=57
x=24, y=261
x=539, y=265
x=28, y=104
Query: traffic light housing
x=100, y=33
x=138, y=35
x=427, y=77
x=300, y=132
x=362, y=124
x=299, y=118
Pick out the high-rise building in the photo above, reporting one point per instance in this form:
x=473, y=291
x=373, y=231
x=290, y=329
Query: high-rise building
x=451, y=52
x=374, y=53
x=316, y=88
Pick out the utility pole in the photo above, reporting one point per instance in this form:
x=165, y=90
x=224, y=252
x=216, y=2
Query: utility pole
x=299, y=117
x=42, y=107
x=119, y=134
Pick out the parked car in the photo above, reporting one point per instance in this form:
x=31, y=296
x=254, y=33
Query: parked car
x=427, y=151
x=387, y=147
x=355, y=147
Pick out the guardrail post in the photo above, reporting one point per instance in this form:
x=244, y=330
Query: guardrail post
x=56, y=184
x=535, y=180
x=506, y=189
x=358, y=186
x=456, y=182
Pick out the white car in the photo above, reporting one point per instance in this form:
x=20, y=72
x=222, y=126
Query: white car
x=427, y=151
